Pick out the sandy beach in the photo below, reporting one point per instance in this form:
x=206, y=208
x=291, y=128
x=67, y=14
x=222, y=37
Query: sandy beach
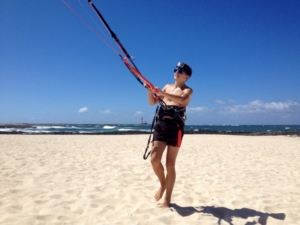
x=103, y=179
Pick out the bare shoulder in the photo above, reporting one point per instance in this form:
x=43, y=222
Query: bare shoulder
x=188, y=89
x=168, y=87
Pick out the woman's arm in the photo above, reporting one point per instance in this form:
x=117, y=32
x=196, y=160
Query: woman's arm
x=176, y=96
x=183, y=99
x=151, y=99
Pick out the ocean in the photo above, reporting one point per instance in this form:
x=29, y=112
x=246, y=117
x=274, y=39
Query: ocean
x=137, y=128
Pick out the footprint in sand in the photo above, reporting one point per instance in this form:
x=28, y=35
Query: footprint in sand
x=40, y=202
x=94, y=205
x=56, y=196
x=46, y=218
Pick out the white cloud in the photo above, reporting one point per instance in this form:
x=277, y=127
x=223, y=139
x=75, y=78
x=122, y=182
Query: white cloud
x=107, y=111
x=198, y=109
x=218, y=101
x=231, y=101
x=281, y=105
x=253, y=107
x=83, y=110
x=138, y=113
x=253, y=112
x=260, y=107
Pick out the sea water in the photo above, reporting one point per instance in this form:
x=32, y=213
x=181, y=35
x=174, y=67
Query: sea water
x=119, y=128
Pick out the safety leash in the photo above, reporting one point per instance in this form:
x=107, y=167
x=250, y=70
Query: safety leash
x=153, y=122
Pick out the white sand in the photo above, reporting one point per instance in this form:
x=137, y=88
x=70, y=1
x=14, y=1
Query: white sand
x=102, y=179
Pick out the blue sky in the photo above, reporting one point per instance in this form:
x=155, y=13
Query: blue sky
x=245, y=57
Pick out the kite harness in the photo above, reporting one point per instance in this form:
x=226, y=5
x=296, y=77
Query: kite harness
x=175, y=113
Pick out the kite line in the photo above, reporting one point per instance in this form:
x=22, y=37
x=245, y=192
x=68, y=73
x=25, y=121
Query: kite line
x=127, y=60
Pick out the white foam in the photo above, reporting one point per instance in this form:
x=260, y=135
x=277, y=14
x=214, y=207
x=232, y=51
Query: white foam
x=49, y=127
x=109, y=127
x=6, y=130
x=125, y=129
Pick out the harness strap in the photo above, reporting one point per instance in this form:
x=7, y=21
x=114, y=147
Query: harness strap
x=177, y=112
x=145, y=154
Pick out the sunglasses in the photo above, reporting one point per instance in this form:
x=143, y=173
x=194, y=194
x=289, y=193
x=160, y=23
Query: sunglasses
x=179, y=71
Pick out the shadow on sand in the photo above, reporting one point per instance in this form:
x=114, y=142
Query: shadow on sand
x=225, y=214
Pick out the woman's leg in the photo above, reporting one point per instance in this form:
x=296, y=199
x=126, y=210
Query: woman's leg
x=171, y=175
x=156, y=155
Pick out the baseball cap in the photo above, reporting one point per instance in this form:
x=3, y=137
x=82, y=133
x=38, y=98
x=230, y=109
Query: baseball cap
x=185, y=67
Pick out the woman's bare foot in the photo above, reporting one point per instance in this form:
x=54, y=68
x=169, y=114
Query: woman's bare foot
x=164, y=204
x=159, y=193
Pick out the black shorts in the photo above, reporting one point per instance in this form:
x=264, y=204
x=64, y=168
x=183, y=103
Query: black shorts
x=169, y=131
